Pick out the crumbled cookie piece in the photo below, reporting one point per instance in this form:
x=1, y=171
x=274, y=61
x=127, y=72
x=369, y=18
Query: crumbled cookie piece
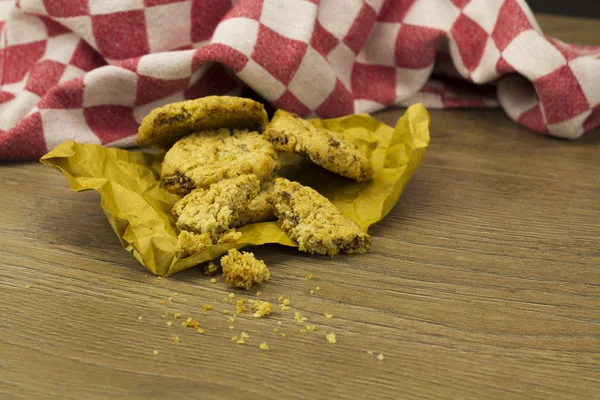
x=214, y=211
x=190, y=243
x=380, y=357
x=165, y=125
x=290, y=133
x=263, y=308
x=243, y=269
x=314, y=222
x=263, y=346
x=260, y=208
x=203, y=158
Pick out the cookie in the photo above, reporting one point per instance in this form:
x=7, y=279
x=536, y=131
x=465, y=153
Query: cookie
x=216, y=210
x=290, y=133
x=203, y=158
x=163, y=126
x=260, y=209
x=243, y=269
x=314, y=222
x=190, y=243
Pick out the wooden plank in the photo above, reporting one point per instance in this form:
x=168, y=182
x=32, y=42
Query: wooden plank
x=482, y=283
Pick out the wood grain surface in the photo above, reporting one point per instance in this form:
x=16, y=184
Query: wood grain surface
x=483, y=282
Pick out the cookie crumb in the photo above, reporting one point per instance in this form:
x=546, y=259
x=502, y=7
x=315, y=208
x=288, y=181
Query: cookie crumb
x=213, y=280
x=190, y=322
x=258, y=294
x=231, y=320
x=176, y=315
x=158, y=278
x=263, y=308
x=328, y=315
x=298, y=317
x=175, y=339
x=162, y=302
x=278, y=322
x=200, y=330
x=331, y=338
x=318, y=288
x=234, y=338
x=282, y=334
x=312, y=291
x=243, y=269
x=231, y=327
x=263, y=346
x=286, y=302
x=309, y=276
x=27, y=286
x=155, y=352
x=239, y=306
x=226, y=312
x=231, y=296
x=369, y=352
x=211, y=269
x=281, y=298
x=302, y=330
x=241, y=341
x=169, y=323
x=166, y=314
x=380, y=357
x=311, y=328
x=275, y=330
x=244, y=335
x=140, y=318
x=206, y=307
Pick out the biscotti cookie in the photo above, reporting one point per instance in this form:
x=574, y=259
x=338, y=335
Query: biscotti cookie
x=163, y=126
x=291, y=133
x=203, y=158
x=314, y=222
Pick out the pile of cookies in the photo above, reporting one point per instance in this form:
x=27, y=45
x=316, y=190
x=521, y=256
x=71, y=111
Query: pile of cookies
x=222, y=159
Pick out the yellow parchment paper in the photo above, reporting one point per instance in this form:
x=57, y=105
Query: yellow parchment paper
x=138, y=207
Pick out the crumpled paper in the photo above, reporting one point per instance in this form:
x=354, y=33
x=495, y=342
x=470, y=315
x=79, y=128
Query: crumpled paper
x=138, y=207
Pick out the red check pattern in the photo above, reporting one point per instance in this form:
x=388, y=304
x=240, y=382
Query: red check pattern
x=90, y=70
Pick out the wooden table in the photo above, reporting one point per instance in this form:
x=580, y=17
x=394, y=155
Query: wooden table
x=483, y=282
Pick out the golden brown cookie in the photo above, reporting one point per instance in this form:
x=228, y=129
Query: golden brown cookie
x=203, y=158
x=189, y=243
x=314, y=222
x=260, y=208
x=293, y=134
x=165, y=125
x=216, y=210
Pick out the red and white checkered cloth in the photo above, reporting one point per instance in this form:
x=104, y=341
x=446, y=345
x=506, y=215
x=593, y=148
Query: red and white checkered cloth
x=89, y=70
